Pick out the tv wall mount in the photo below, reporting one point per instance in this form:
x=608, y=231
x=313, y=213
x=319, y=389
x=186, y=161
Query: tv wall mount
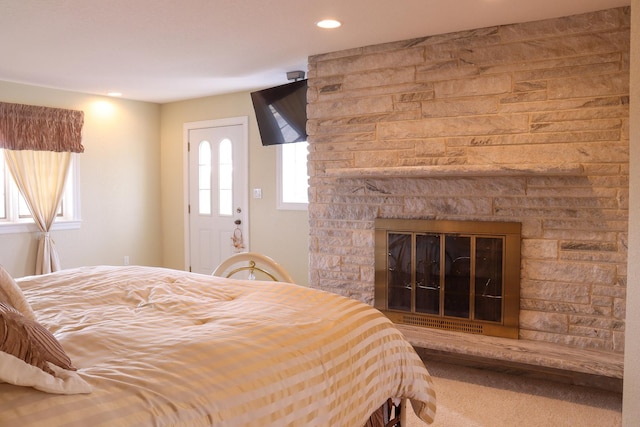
x=295, y=75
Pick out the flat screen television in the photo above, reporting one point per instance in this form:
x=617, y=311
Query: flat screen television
x=281, y=113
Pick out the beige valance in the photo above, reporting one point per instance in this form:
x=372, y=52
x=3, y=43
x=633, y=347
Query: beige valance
x=31, y=127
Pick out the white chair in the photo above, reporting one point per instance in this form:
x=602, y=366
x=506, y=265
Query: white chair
x=256, y=264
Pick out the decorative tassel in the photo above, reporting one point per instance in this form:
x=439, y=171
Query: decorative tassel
x=237, y=240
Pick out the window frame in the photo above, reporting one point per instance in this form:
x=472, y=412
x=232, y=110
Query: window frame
x=14, y=224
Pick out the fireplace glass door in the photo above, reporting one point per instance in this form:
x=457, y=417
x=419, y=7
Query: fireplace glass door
x=457, y=276
x=461, y=276
x=428, y=273
x=488, y=279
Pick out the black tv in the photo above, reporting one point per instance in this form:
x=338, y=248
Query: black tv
x=281, y=113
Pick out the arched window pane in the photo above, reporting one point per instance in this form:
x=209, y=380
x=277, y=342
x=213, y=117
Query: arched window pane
x=225, y=178
x=204, y=178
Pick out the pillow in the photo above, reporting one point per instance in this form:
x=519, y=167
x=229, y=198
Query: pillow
x=11, y=294
x=15, y=371
x=26, y=339
x=31, y=356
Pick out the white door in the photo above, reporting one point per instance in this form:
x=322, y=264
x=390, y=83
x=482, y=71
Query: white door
x=217, y=203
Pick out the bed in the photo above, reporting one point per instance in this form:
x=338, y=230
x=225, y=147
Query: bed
x=150, y=346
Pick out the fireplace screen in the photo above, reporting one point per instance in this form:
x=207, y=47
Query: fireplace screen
x=454, y=275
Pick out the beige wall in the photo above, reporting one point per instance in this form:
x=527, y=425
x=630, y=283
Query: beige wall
x=280, y=234
x=119, y=184
x=631, y=404
x=128, y=206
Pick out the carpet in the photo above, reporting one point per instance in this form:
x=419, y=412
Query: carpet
x=470, y=397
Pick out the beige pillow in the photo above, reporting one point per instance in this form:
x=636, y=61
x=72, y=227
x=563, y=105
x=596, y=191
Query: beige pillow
x=15, y=371
x=26, y=339
x=11, y=293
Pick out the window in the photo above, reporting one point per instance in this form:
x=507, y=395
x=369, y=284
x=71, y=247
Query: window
x=14, y=214
x=293, y=179
x=225, y=178
x=204, y=178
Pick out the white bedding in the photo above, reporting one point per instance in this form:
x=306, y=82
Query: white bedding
x=168, y=348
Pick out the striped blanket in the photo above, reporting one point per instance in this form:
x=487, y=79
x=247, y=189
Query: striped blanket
x=169, y=348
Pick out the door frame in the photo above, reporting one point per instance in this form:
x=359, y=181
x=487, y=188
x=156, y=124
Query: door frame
x=188, y=126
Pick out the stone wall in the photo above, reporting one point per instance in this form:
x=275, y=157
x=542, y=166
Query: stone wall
x=524, y=122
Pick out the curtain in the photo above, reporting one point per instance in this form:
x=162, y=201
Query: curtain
x=40, y=177
x=31, y=127
x=38, y=143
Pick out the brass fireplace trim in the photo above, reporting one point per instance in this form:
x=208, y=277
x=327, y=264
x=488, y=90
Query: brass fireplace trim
x=511, y=231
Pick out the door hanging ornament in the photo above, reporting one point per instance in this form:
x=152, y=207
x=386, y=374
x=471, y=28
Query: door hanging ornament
x=236, y=238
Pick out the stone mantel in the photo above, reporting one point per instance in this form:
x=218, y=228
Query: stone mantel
x=491, y=170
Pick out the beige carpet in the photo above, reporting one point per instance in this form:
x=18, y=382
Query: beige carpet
x=470, y=397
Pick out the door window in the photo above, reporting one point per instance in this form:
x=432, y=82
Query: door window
x=204, y=178
x=225, y=178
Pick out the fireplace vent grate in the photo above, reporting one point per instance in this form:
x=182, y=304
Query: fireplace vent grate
x=448, y=325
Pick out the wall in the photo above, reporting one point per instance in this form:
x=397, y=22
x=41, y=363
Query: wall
x=119, y=184
x=129, y=207
x=542, y=96
x=277, y=233
x=630, y=406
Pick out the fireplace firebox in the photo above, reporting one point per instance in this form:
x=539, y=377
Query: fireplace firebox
x=455, y=275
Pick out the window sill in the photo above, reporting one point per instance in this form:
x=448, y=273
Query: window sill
x=30, y=227
x=292, y=206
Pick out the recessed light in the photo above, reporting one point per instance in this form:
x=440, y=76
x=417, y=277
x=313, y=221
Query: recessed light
x=329, y=23
x=115, y=94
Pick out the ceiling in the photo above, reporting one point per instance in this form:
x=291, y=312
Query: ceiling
x=169, y=50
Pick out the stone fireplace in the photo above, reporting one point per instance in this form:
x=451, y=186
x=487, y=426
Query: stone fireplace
x=524, y=123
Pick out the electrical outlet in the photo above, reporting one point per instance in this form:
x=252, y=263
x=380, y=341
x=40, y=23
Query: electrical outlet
x=257, y=193
x=126, y=260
